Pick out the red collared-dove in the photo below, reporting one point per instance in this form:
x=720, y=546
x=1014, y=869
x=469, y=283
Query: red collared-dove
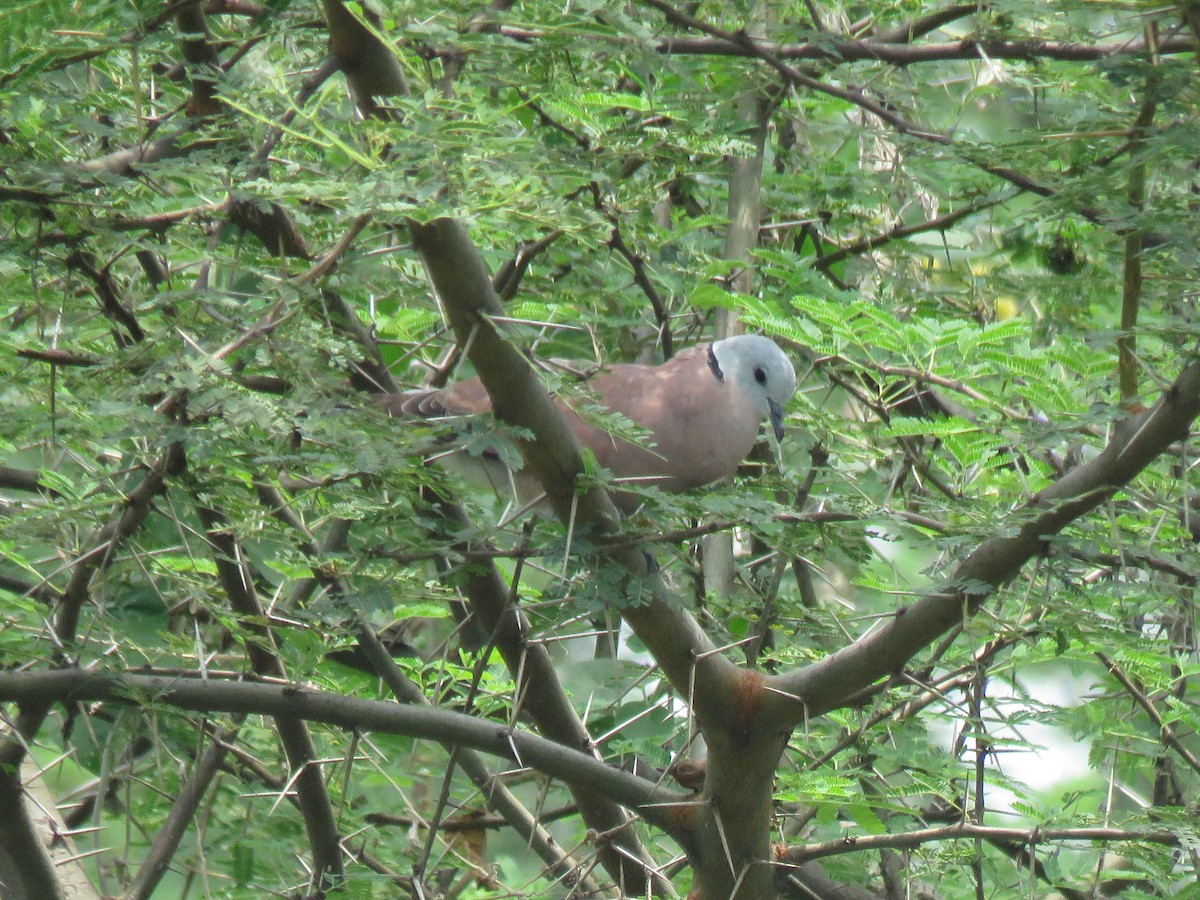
x=702, y=409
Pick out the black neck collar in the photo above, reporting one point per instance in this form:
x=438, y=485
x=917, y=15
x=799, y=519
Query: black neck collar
x=714, y=365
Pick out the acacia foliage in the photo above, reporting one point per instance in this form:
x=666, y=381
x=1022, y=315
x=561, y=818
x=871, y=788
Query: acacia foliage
x=975, y=232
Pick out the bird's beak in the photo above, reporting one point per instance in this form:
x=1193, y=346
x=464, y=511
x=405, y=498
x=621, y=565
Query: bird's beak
x=776, y=418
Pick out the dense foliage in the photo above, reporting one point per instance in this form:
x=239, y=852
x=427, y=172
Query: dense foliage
x=973, y=228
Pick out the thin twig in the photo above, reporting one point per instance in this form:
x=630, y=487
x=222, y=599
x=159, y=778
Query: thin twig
x=1165, y=730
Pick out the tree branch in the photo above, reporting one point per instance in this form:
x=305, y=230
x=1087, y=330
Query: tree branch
x=727, y=844
x=315, y=807
x=826, y=685
x=852, y=95
x=108, y=292
x=495, y=793
x=367, y=61
x=187, y=800
x=907, y=32
x=1131, y=282
x=881, y=50
x=26, y=869
x=1166, y=732
x=938, y=223
x=541, y=694
x=651, y=801
x=892, y=45
x=24, y=480
x=508, y=277
x=969, y=831
x=642, y=278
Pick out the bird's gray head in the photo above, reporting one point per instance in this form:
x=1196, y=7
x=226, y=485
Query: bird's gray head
x=759, y=368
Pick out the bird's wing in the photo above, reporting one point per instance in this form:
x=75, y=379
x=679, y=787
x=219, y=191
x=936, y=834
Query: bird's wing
x=463, y=398
x=701, y=427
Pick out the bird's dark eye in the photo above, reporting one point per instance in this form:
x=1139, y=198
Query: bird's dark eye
x=760, y=374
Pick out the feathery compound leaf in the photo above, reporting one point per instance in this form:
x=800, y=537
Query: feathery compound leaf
x=225, y=230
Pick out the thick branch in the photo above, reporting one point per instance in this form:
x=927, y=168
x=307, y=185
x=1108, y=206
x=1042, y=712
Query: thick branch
x=724, y=699
x=125, y=162
x=26, y=869
x=24, y=480
x=542, y=696
x=367, y=61
x=204, y=63
x=290, y=701
x=826, y=685
x=519, y=399
x=56, y=357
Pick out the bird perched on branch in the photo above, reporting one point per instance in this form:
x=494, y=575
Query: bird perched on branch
x=700, y=415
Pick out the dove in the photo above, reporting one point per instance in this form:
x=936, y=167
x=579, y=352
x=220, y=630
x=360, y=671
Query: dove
x=701, y=413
